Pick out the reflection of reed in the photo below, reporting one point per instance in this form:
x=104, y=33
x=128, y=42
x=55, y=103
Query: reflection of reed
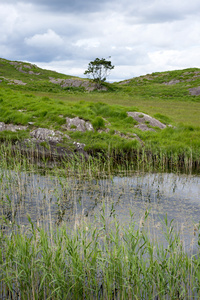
x=81, y=219
x=56, y=199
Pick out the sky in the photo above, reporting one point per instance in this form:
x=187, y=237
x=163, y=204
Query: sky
x=141, y=37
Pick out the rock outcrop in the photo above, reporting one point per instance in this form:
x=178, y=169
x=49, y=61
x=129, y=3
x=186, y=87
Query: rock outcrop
x=77, y=124
x=73, y=82
x=48, y=135
x=145, y=121
x=195, y=91
x=21, y=66
x=11, y=127
x=53, y=149
x=171, y=82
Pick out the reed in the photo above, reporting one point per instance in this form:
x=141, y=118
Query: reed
x=97, y=261
x=50, y=258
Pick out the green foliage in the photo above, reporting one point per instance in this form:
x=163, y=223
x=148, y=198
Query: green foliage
x=9, y=136
x=45, y=145
x=97, y=261
x=98, y=123
x=99, y=70
x=162, y=118
x=80, y=89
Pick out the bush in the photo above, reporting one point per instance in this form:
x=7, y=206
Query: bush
x=98, y=123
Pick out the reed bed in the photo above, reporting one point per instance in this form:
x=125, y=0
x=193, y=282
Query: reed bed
x=100, y=258
x=114, y=160
x=96, y=261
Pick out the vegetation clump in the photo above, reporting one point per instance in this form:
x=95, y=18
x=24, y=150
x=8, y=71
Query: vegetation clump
x=101, y=261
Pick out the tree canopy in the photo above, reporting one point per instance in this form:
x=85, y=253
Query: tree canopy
x=99, y=69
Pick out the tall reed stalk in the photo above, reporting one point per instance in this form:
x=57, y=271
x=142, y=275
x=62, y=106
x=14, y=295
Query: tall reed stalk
x=97, y=261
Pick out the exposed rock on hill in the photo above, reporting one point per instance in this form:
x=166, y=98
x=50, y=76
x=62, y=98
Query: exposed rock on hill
x=11, y=127
x=86, y=84
x=145, y=121
x=171, y=82
x=21, y=66
x=44, y=134
x=195, y=91
x=17, y=82
x=13, y=81
x=77, y=124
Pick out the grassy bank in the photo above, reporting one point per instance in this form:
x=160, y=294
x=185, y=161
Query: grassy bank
x=178, y=143
x=38, y=102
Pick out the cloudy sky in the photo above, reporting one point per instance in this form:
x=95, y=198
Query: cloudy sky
x=141, y=36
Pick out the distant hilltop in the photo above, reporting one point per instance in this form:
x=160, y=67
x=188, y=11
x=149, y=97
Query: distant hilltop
x=31, y=77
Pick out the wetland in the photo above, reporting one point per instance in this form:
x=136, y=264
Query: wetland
x=108, y=234
x=109, y=212
x=68, y=200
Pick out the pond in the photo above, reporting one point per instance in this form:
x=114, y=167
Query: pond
x=53, y=200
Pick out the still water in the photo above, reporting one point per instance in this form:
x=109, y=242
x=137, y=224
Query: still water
x=57, y=200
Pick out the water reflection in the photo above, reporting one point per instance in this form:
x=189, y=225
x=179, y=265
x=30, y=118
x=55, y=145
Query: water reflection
x=55, y=200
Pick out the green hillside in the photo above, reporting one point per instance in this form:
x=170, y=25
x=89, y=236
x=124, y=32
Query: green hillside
x=33, y=97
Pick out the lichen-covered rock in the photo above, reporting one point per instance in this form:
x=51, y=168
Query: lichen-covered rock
x=73, y=82
x=77, y=124
x=2, y=126
x=171, y=82
x=144, y=127
x=195, y=91
x=52, y=149
x=17, y=82
x=44, y=134
x=11, y=127
x=145, y=121
x=20, y=67
x=79, y=146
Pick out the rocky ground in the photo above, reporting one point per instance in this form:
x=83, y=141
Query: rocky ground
x=44, y=142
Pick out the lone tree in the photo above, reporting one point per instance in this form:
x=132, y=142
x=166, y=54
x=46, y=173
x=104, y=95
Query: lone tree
x=99, y=69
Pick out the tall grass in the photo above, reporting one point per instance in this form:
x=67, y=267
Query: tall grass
x=102, y=260
x=113, y=158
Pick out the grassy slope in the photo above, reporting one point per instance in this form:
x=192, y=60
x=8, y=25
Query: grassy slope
x=43, y=103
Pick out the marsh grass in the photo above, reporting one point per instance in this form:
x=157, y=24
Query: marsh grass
x=122, y=157
x=102, y=260
x=99, y=259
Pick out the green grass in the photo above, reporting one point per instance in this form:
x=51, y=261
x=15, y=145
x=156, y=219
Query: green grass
x=47, y=112
x=47, y=105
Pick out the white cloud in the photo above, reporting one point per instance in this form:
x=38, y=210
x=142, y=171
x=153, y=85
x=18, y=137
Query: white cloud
x=65, y=67
x=46, y=40
x=87, y=43
x=173, y=59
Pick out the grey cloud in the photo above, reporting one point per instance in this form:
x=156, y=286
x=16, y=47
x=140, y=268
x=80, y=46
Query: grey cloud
x=133, y=32
x=155, y=11
x=69, y=6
